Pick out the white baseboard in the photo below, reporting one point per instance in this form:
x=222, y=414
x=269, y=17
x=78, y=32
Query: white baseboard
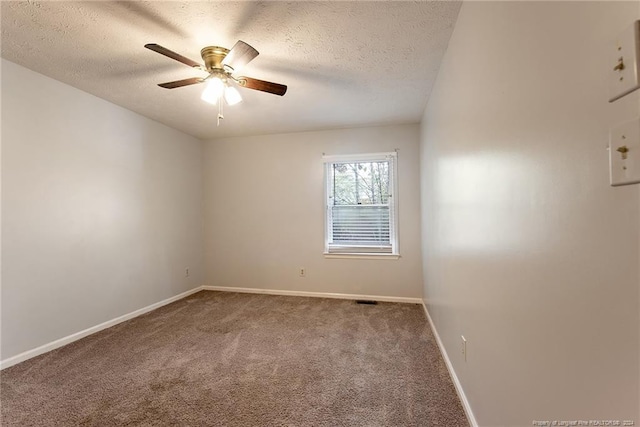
x=456, y=382
x=78, y=335
x=313, y=294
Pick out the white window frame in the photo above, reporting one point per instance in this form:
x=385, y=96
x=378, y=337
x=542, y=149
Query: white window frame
x=392, y=158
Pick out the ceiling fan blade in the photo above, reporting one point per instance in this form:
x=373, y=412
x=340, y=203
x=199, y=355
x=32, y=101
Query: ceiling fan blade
x=239, y=56
x=180, y=83
x=171, y=54
x=275, y=88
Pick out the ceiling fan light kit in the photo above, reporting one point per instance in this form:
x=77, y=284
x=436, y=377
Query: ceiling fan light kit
x=232, y=96
x=221, y=64
x=213, y=91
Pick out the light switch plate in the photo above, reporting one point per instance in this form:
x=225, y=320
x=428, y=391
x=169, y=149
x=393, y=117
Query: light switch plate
x=624, y=153
x=624, y=63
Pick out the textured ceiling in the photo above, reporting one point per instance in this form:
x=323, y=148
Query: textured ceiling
x=345, y=63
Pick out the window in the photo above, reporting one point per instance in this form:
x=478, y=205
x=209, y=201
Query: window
x=361, y=206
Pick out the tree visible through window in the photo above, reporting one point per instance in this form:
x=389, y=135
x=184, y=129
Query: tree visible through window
x=360, y=204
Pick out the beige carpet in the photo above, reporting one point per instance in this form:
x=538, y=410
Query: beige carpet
x=227, y=359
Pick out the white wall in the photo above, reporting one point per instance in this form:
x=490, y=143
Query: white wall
x=101, y=210
x=528, y=252
x=264, y=213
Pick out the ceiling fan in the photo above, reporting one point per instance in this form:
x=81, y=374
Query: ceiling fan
x=221, y=64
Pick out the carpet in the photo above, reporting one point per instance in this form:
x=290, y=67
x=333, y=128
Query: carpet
x=231, y=359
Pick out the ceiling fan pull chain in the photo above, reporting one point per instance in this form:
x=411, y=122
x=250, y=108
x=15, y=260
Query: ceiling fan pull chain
x=220, y=110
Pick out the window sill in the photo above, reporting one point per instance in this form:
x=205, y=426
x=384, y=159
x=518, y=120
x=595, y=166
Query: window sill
x=360, y=256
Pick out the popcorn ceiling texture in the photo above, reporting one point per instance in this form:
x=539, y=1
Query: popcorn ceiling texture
x=346, y=63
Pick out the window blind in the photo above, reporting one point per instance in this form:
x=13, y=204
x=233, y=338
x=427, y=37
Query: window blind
x=361, y=226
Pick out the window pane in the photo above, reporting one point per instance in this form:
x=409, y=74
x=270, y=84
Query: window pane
x=360, y=183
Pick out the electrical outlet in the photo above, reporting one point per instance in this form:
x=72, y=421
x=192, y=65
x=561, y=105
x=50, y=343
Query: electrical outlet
x=302, y=272
x=186, y=272
x=464, y=347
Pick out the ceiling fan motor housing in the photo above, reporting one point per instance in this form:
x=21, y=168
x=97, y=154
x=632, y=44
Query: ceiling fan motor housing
x=213, y=56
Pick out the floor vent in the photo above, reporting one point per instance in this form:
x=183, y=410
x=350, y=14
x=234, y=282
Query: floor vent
x=366, y=301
